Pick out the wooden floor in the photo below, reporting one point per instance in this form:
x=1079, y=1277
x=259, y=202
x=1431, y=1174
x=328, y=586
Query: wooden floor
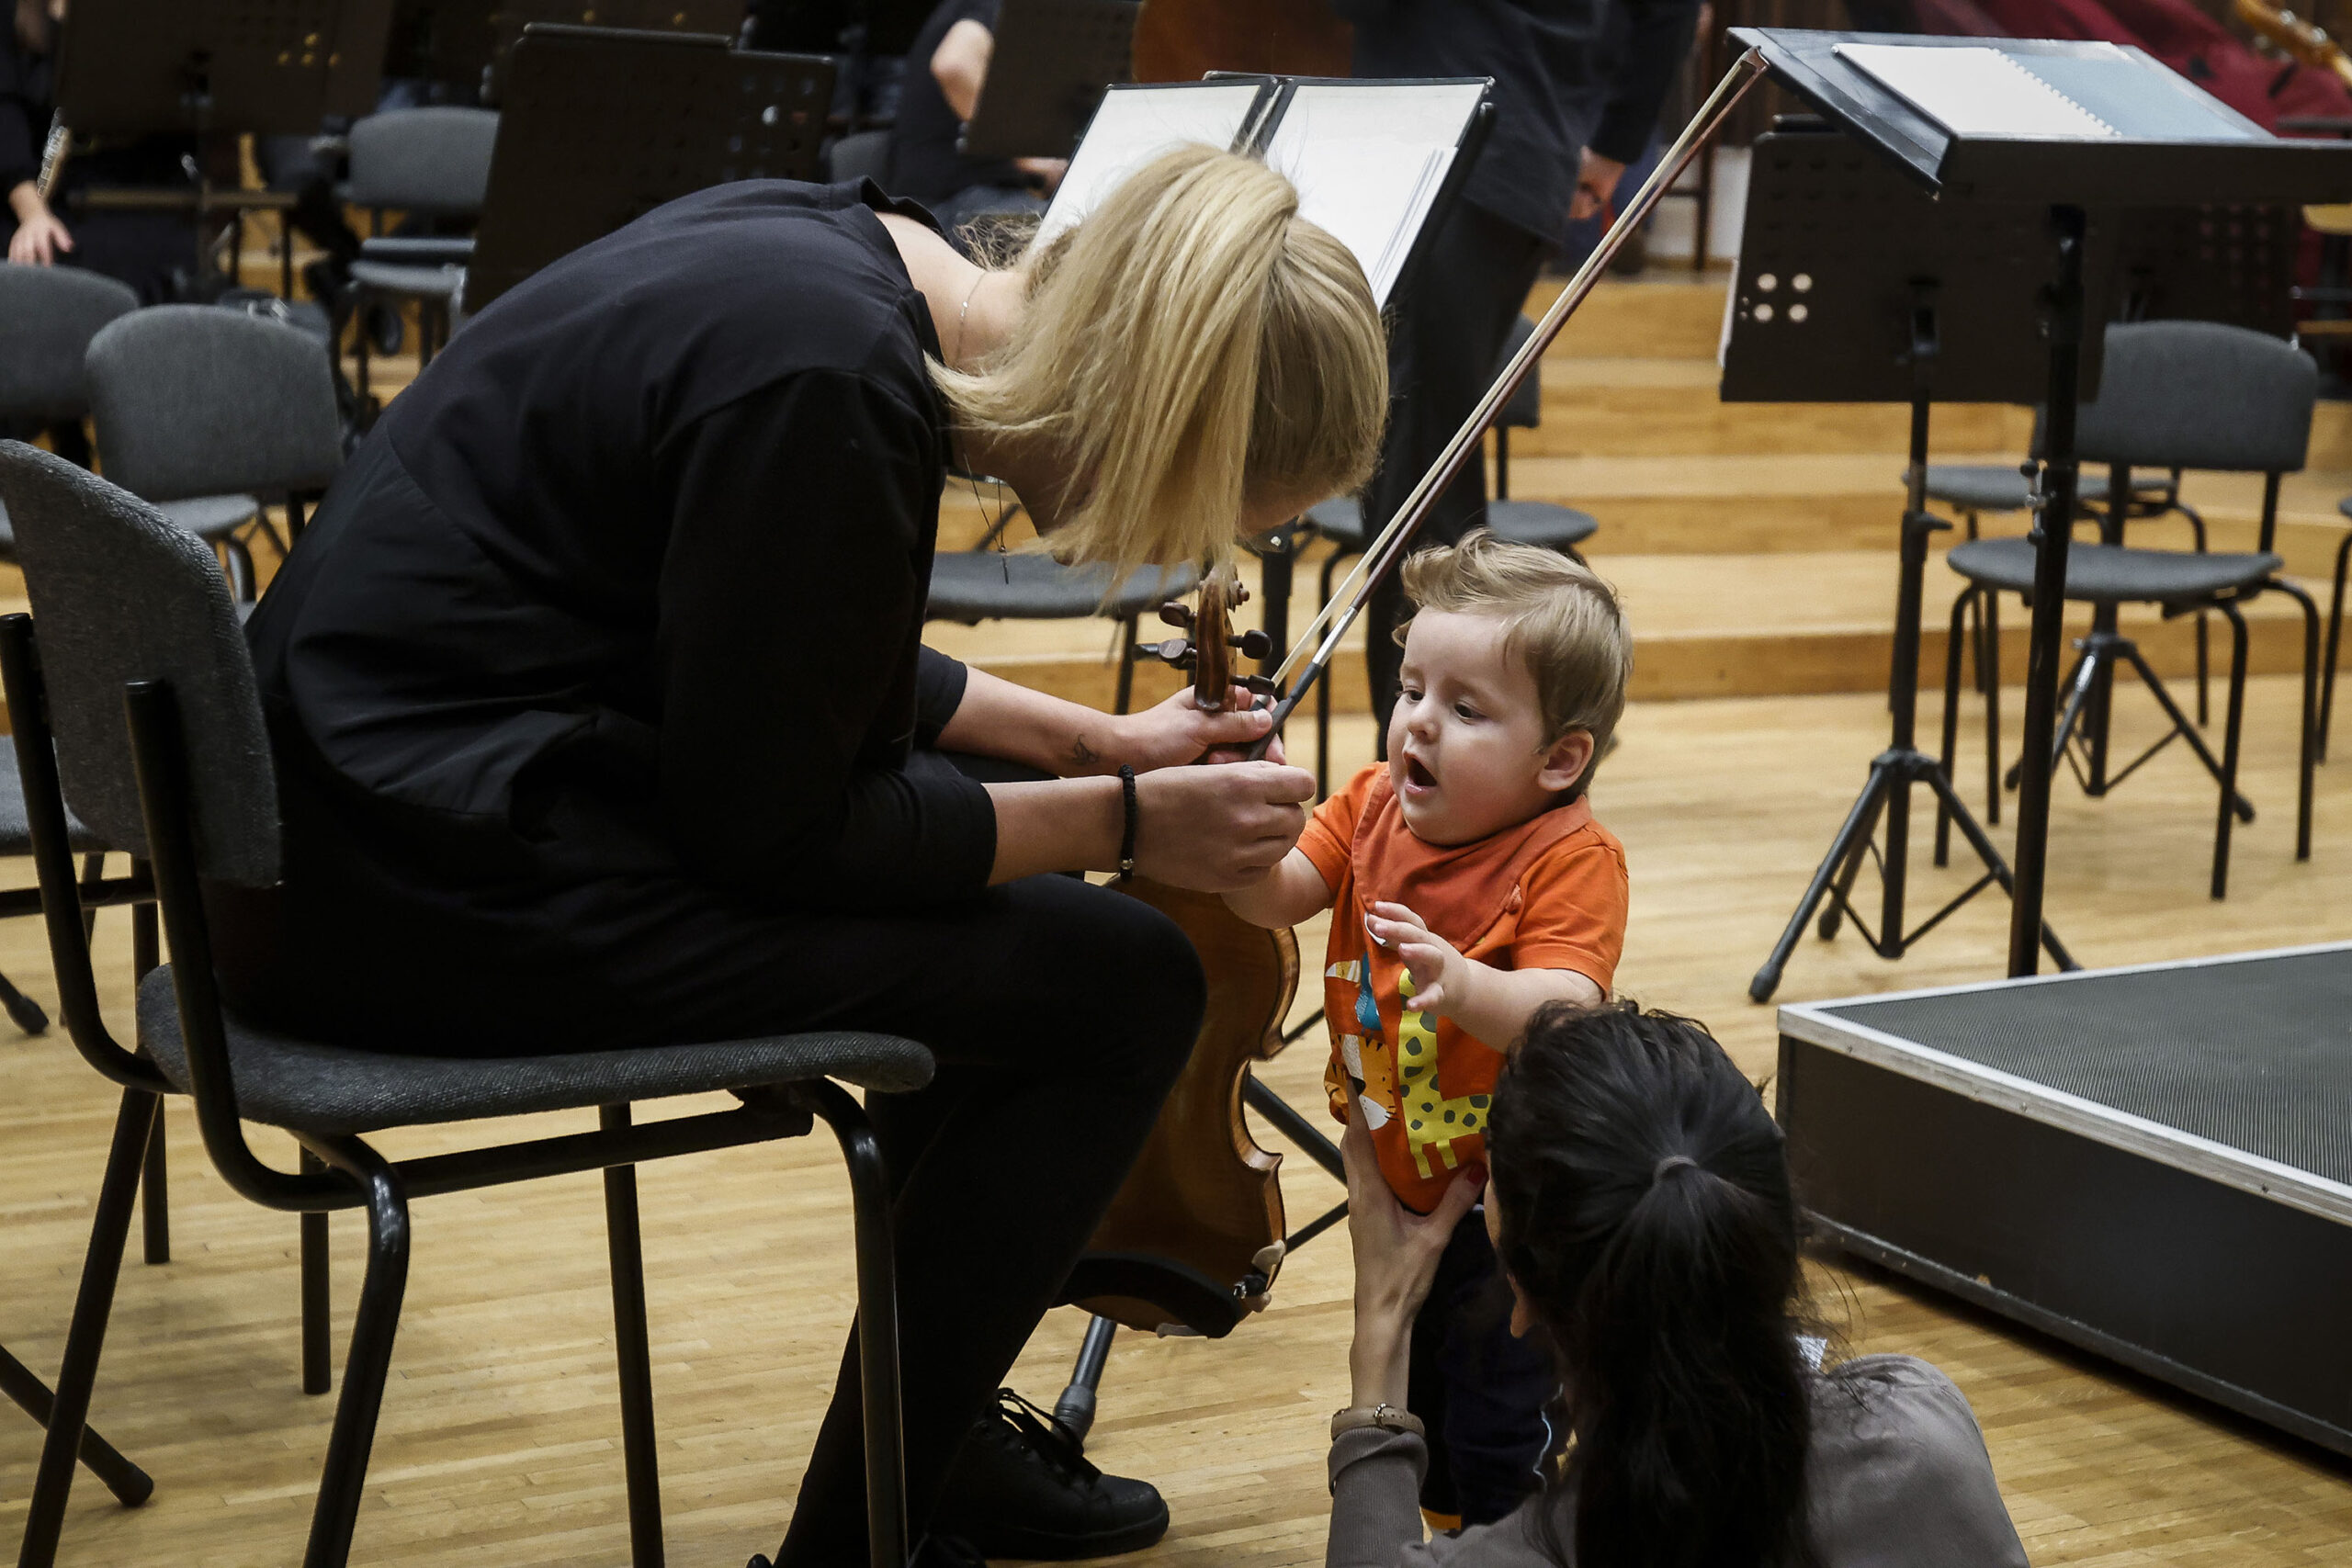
x=500, y=1435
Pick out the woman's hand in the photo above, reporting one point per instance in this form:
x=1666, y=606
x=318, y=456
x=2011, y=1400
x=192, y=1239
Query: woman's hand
x=1597, y=180
x=1396, y=1256
x=1175, y=732
x=39, y=237
x=1214, y=829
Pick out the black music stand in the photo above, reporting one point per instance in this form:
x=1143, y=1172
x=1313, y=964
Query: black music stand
x=509, y=19
x=1053, y=61
x=602, y=126
x=1855, y=287
x=202, y=67
x=2115, y=128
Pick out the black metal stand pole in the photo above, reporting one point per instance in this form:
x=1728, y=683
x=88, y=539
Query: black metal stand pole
x=2053, y=532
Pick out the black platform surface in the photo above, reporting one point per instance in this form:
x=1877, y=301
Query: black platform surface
x=2251, y=1053
x=2154, y=1164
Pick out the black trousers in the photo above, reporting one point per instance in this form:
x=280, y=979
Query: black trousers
x=1060, y=1014
x=1482, y=1394
x=1450, y=325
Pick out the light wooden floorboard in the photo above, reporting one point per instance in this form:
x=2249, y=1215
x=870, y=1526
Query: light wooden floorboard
x=500, y=1438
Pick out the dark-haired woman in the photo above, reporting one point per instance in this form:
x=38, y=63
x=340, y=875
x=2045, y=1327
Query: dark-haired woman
x=1639, y=1200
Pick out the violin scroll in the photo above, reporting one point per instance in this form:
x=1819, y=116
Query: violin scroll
x=1207, y=652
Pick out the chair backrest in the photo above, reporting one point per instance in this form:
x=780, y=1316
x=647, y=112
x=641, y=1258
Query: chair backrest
x=192, y=401
x=1525, y=409
x=860, y=155
x=432, y=161
x=2199, y=395
x=120, y=594
x=48, y=316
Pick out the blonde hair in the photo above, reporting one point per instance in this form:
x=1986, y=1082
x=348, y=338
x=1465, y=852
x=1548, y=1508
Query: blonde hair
x=1192, y=345
x=1564, y=621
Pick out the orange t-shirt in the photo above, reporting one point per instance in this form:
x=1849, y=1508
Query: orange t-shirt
x=1548, y=894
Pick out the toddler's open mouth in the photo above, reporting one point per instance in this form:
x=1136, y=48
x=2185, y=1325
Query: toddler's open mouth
x=1417, y=775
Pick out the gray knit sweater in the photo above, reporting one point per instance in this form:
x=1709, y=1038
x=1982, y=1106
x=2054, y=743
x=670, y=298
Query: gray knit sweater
x=1899, y=1478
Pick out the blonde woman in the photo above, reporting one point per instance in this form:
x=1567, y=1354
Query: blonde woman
x=602, y=717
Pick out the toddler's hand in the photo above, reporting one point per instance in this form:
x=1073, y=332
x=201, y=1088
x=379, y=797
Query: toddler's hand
x=1441, y=976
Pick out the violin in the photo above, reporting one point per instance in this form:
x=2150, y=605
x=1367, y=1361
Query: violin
x=1194, y=1240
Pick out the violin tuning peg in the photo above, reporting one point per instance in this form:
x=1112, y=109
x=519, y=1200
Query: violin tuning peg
x=1176, y=613
x=1177, y=650
x=1254, y=644
x=1261, y=685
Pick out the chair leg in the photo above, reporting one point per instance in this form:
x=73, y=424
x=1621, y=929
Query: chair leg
x=368, y=1361
x=877, y=1320
x=23, y=1011
x=2308, y=754
x=1127, y=664
x=2204, y=662
x=78, y=1376
x=1961, y=619
x=317, y=1312
x=639, y=1457
x=130, y=1484
x=1993, y=708
x=2225, y=817
x=155, y=1189
x=94, y=873
x=2335, y=631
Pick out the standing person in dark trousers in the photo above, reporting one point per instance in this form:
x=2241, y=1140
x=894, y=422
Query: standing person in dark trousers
x=1579, y=85
x=946, y=68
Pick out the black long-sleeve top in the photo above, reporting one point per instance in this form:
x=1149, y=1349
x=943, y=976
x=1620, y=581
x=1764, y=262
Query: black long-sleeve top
x=1568, y=73
x=24, y=111
x=629, y=585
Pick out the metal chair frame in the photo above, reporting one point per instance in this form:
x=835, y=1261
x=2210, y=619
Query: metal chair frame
x=2090, y=690
x=339, y=1172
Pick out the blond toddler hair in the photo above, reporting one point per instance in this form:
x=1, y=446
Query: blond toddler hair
x=1563, y=621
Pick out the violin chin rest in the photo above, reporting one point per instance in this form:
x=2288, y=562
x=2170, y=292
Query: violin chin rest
x=1157, y=1294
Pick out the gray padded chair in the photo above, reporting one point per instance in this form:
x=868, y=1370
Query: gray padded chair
x=431, y=162
x=155, y=730
x=201, y=411
x=1544, y=523
x=987, y=584
x=2177, y=395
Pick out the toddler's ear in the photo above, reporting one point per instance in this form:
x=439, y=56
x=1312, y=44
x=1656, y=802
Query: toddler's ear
x=1564, y=759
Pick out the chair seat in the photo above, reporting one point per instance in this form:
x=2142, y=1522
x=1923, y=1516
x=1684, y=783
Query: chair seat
x=437, y=282
x=2113, y=573
x=972, y=586
x=210, y=516
x=1538, y=523
x=206, y=517
x=16, y=830
x=1995, y=487
x=334, y=1090
x=1339, y=520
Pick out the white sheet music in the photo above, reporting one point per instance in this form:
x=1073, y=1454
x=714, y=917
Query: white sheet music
x=1368, y=159
x=1973, y=91
x=1134, y=126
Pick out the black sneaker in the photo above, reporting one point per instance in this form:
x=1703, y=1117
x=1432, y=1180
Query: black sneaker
x=1021, y=1488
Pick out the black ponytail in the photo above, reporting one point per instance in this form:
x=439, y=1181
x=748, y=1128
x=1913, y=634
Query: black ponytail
x=1645, y=1211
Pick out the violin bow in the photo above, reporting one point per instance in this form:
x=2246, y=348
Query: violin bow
x=1311, y=658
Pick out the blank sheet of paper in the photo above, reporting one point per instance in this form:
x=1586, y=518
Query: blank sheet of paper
x=1368, y=159
x=1134, y=126
x=1977, y=91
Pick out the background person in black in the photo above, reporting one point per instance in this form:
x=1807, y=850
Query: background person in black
x=946, y=68
x=1578, y=86
x=601, y=713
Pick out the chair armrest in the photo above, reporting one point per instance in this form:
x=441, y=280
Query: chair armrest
x=421, y=251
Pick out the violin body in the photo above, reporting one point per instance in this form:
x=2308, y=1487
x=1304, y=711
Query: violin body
x=1182, y=41
x=1204, y=1204
x=1193, y=1239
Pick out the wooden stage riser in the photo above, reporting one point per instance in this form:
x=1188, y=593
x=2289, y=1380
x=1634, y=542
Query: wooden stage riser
x=1763, y=664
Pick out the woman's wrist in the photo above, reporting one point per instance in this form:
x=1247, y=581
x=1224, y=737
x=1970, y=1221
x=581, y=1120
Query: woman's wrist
x=1378, y=1362
x=24, y=200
